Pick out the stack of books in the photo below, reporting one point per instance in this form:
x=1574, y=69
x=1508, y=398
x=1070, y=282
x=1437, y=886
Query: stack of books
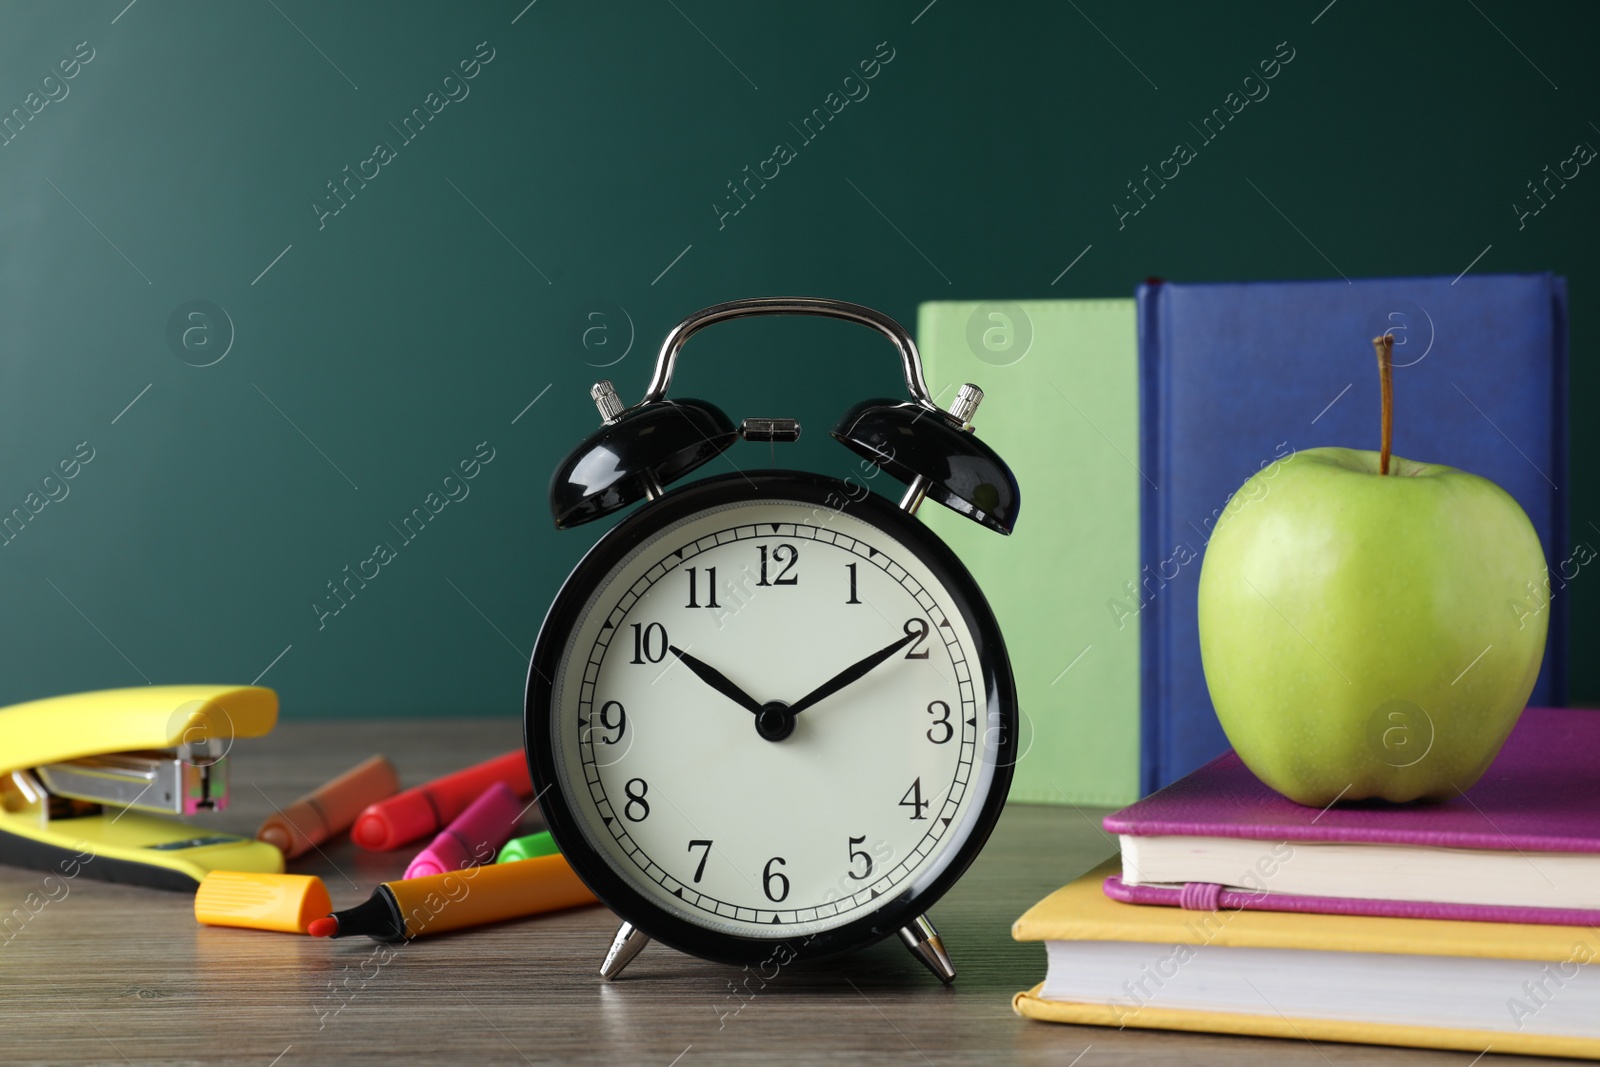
x=1472, y=924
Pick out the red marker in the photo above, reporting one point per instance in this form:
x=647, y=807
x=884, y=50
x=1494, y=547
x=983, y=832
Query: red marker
x=428, y=808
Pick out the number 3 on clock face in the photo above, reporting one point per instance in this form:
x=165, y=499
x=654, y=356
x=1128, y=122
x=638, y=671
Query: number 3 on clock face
x=767, y=714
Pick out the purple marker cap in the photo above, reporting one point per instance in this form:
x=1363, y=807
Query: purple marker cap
x=475, y=835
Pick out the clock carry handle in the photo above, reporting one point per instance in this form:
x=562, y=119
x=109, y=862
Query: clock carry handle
x=910, y=359
x=932, y=451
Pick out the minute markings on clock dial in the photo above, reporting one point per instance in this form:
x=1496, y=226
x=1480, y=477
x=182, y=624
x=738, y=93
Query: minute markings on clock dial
x=635, y=636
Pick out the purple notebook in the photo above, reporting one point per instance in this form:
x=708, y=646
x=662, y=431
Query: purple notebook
x=1541, y=794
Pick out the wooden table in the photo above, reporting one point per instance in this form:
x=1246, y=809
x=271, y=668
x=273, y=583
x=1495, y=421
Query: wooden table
x=114, y=974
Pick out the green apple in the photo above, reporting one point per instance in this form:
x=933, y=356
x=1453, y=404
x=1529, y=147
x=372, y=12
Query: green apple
x=1369, y=634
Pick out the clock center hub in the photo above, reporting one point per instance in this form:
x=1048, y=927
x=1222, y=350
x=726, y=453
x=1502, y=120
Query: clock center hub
x=775, y=721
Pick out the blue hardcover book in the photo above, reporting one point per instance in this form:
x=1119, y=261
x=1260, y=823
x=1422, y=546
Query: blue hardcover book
x=1234, y=376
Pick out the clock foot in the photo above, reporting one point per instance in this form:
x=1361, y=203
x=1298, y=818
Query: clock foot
x=925, y=944
x=628, y=943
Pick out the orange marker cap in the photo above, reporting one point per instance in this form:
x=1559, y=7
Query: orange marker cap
x=286, y=902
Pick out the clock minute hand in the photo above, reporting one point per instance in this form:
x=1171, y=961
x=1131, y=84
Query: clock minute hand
x=854, y=672
x=717, y=680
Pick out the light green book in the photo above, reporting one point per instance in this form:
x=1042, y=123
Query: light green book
x=1061, y=406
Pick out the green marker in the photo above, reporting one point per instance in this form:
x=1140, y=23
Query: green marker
x=530, y=847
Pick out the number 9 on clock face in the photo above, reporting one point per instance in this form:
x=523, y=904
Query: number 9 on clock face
x=761, y=712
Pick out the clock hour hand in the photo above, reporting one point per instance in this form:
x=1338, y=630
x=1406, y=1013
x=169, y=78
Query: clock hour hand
x=717, y=680
x=854, y=672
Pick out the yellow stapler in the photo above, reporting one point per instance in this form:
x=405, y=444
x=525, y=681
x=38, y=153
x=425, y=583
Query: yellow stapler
x=86, y=779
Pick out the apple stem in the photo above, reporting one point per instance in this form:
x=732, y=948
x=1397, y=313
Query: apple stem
x=1385, y=348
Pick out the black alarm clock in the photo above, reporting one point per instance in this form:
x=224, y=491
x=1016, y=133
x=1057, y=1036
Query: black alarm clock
x=770, y=715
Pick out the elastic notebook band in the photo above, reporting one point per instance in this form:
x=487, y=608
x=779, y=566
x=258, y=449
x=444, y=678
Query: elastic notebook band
x=1200, y=896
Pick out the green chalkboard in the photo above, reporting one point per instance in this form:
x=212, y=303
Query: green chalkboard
x=278, y=275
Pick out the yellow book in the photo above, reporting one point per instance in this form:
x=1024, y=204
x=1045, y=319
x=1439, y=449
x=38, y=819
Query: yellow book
x=1425, y=983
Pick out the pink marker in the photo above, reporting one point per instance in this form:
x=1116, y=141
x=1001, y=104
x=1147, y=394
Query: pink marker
x=474, y=836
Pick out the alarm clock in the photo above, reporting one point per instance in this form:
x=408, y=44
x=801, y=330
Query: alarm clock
x=770, y=715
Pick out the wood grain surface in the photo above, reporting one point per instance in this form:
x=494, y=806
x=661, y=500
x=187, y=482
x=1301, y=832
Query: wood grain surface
x=111, y=974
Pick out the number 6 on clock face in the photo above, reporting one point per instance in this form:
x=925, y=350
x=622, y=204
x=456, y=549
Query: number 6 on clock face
x=771, y=715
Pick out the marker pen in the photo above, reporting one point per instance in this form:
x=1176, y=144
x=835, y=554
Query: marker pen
x=526, y=848
x=487, y=824
x=399, y=911
x=427, y=809
x=330, y=808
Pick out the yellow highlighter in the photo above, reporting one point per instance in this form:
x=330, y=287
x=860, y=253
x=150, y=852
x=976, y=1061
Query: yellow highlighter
x=95, y=783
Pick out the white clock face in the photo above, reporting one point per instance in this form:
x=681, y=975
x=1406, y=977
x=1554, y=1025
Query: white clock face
x=869, y=796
